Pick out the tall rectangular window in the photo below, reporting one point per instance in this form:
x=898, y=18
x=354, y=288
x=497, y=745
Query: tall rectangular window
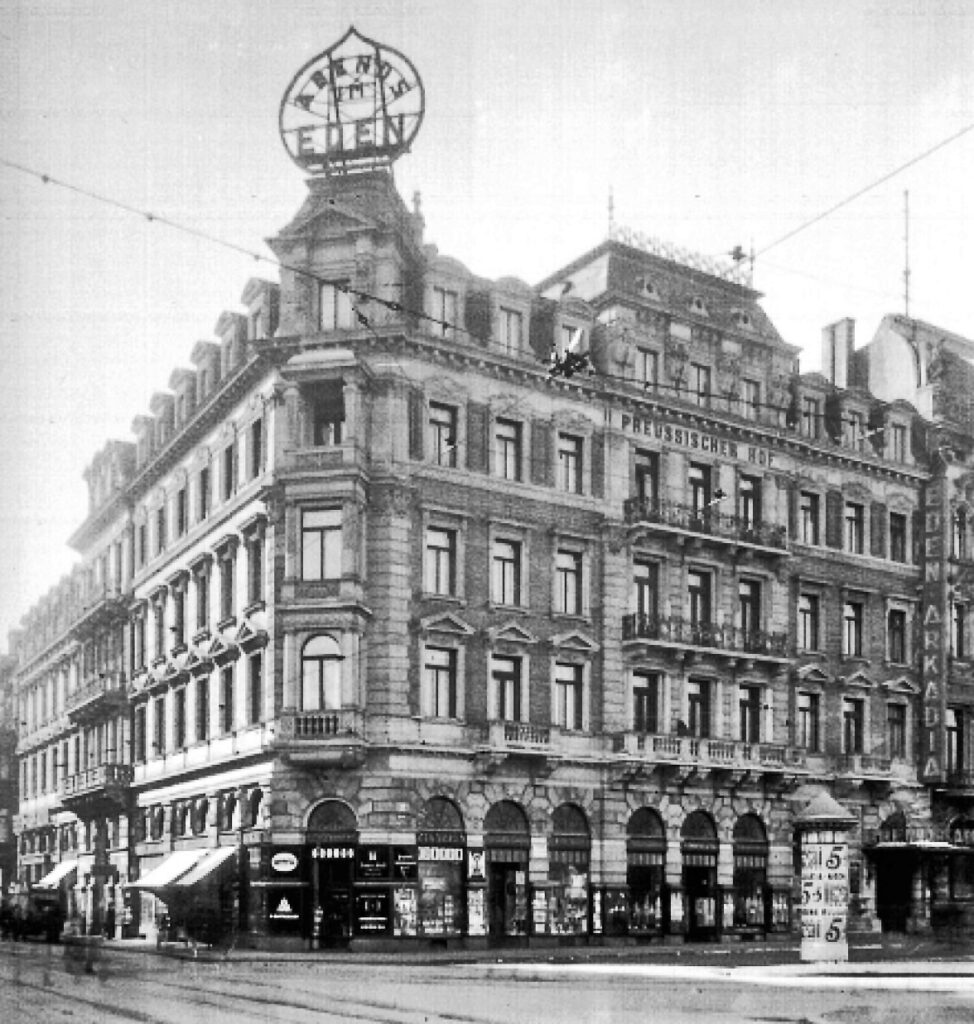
x=441, y=562
x=646, y=472
x=568, y=582
x=750, y=398
x=511, y=330
x=698, y=479
x=807, y=724
x=507, y=449
x=960, y=541
x=255, y=568
x=897, y=438
x=321, y=544
x=749, y=502
x=138, y=735
x=808, y=511
x=853, y=725
x=852, y=629
x=698, y=590
x=570, y=463
x=645, y=588
x=808, y=618
x=228, y=567
x=179, y=717
x=440, y=676
x=854, y=430
x=749, y=714
x=647, y=368
x=443, y=434
x=255, y=688
x=959, y=632
x=645, y=702
x=229, y=462
x=226, y=709
x=202, y=708
x=203, y=495
x=568, y=696
x=896, y=636
x=700, y=384
x=159, y=726
x=202, y=578
x=955, y=740
x=179, y=614
x=159, y=622
x=854, y=528
x=698, y=707
x=897, y=536
x=160, y=529
x=749, y=608
x=181, y=520
x=256, y=447
x=335, y=306
x=506, y=572
x=811, y=413
x=445, y=310
x=506, y=678
x=326, y=401
x=896, y=730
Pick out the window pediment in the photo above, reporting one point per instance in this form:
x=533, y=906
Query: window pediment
x=512, y=633
x=575, y=641
x=812, y=674
x=446, y=624
x=901, y=686
x=858, y=680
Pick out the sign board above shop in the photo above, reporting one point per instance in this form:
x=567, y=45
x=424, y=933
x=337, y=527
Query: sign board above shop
x=355, y=107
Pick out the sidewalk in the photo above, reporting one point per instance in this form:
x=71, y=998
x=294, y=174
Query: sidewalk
x=892, y=955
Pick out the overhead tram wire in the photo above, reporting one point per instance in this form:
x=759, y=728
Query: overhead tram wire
x=562, y=366
x=861, y=192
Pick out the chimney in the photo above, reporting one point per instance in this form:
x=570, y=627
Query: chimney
x=838, y=344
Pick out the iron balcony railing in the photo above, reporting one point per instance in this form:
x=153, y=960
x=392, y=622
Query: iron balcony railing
x=674, y=629
x=313, y=726
x=102, y=776
x=709, y=522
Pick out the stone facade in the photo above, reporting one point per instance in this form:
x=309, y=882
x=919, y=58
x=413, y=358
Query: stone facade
x=399, y=623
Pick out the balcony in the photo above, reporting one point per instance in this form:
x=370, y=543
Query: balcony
x=334, y=738
x=675, y=632
x=708, y=524
x=501, y=740
x=691, y=755
x=100, y=695
x=103, y=604
x=101, y=789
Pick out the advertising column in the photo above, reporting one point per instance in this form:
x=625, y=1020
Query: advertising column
x=824, y=826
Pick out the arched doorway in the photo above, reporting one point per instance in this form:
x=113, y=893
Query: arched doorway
x=569, y=853
x=699, y=848
x=645, y=864
x=441, y=869
x=750, y=873
x=507, y=844
x=332, y=834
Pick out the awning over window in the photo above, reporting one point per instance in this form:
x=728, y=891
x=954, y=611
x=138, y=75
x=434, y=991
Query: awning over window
x=54, y=878
x=163, y=875
x=207, y=867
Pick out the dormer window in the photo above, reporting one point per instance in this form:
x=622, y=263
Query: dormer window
x=446, y=305
x=646, y=288
x=569, y=339
x=742, y=319
x=511, y=330
x=698, y=306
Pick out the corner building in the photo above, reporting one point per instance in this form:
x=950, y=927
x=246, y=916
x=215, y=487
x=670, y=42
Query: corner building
x=386, y=631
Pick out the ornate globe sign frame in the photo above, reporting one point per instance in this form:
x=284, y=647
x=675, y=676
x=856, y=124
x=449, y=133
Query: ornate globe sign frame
x=355, y=107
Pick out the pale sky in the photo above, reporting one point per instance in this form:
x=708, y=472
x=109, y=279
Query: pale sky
x=714, y=123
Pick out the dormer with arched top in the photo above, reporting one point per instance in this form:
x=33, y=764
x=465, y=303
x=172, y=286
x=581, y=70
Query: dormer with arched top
x=262, y=300
x=231, y=329
x=162, y=405
x=182, y=383
x=206, y=358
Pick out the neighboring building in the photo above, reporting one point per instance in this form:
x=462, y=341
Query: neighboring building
x=396, y=622
x=8, y=772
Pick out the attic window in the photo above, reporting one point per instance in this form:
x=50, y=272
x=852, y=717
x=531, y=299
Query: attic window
x=697, y=305
x=742, y=318
x=646, y=287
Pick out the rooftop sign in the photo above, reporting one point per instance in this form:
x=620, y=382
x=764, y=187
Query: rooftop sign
x=355, y=107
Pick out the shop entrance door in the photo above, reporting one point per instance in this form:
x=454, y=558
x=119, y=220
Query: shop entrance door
x=333, y=921
x=700, y=886
x=894, y=888
x=506, y=900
